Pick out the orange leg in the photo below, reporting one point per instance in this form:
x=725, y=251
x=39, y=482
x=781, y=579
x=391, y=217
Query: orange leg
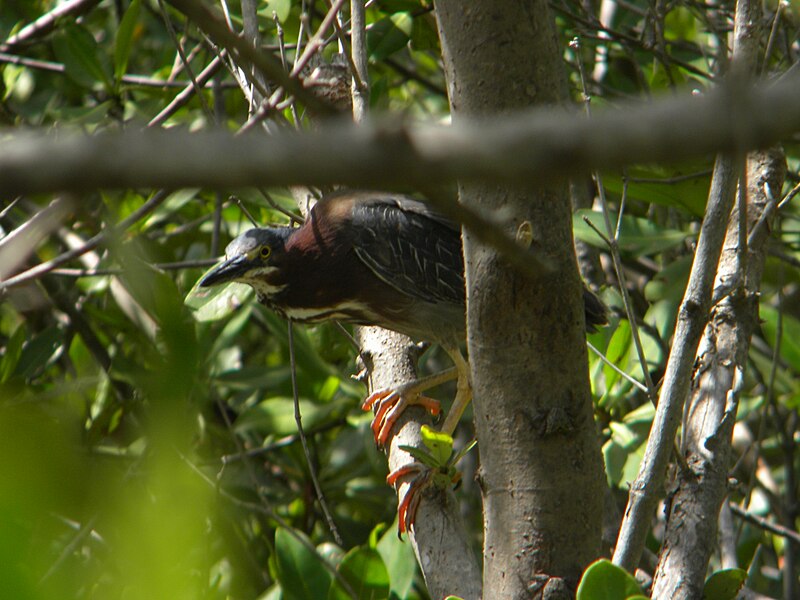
x=390, y=403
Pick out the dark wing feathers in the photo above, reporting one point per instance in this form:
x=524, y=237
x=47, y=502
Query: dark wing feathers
x=409, y=247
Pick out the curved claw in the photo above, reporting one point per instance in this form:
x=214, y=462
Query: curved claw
x=390, y=405
x=407, y=510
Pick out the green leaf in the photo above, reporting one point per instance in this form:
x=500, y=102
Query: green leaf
x=12, y=353
x=299, y=570
x=389, y=35
x=424, y=35
x=680, y=24
x=724, y=584
x=364, y=570
x=603, y=580
x=38, y=352
x=790, y=338
x=124, y=40
x=281, y=8
x=440, y=444
x=276, y=415
x=420, y=455
x=685, y=187
x=19, y=83
x=83, y=60
x=637, y=236
x=619, y=351
x=217, y=302
x=463, y=452
x=398, y=556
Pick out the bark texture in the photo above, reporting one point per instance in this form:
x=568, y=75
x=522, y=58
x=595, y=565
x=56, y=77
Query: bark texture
x=710, y=412
x=541, y=470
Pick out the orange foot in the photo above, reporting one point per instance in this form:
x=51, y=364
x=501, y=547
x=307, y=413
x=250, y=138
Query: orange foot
x=390, y=405
x=425, y=477
x=407, y=511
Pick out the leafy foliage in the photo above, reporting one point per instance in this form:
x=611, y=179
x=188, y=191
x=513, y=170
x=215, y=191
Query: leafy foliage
x=149, y=447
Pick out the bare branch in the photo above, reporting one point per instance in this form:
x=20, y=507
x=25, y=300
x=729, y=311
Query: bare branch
x=215, y=27
x=46, y=23
x=648, y=487
x=537, y=146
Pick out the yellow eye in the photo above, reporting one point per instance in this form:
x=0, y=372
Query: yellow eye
x=265, y=251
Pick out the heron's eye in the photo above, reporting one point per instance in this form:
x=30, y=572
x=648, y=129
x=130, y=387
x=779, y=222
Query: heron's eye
x=265, y=251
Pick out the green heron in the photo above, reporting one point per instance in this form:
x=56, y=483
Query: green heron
x=370, y=258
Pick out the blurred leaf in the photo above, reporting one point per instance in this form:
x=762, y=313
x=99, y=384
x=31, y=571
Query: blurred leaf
x=364, y=570
x=124, y=39
x=281, y=8
x=85, y=64
x=217, y=302
x=39, y=351
x=393, y=6
x=389, y=35
x=685, y=187
x=637, y=236
x=400, y=562
x=248, y=378
x=790, y=338
x=12, y=352
x=276, y=415
x=19, y=83
x=299, y=570
x=424, y=35
x=622, y=456
x=680, y=24
x=173, y=203
x=603, y=580
x=725, y=584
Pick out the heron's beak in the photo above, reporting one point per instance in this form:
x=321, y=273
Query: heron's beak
x=226, y=271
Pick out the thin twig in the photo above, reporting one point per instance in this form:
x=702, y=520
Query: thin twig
x=348, y=53
x=216, y=28
x=188, y=92
x=613, y=244
x=93, y=242
x=615, y=368
x=316, y=41
x=298, y=419
x=764, y=524
x=169, y=266
x=68, y=10
x=184, y=60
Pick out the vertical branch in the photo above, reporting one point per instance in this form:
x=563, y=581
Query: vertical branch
x=439, y=538
x=648, y=486
x=719, y=374
x=253, y=37
x=358, y=44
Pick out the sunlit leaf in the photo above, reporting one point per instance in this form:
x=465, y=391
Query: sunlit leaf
x=724, y=584
x=603, y=580
x=389, y=35
x=637, y=236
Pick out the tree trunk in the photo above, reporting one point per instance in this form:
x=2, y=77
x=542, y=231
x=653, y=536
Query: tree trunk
x=541, y=471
